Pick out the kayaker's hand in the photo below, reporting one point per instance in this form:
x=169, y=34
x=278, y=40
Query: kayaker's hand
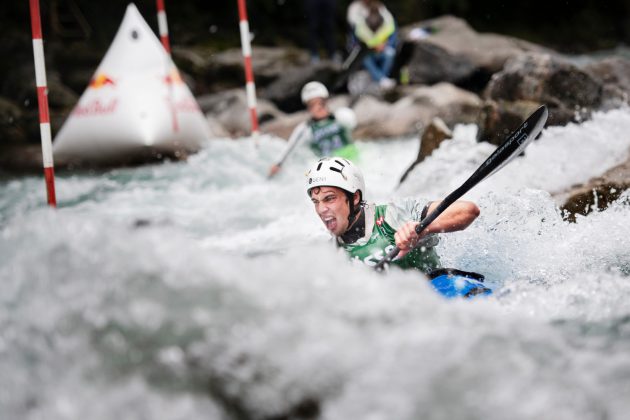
x=274, y=170
x=406, y=237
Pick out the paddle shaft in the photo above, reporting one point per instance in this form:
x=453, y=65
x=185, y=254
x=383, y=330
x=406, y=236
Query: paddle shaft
x=511, y=147
x=353, y=61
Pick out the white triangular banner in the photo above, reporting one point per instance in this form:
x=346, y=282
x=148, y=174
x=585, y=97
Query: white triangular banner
x=135, y=104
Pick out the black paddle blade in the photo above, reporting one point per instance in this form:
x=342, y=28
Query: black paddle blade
x=513, y=145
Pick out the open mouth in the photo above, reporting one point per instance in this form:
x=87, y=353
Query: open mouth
x=330, y=222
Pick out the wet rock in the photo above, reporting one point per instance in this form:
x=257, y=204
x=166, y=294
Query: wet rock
x=283, y=127
x=431, y=64
x=597, y=194
x=614, y=73
x=268, y=63
x=59, y=95
x=190, y=60
x=285, y=90
x=435, y=133
x=450, y=103
x=19, y=85
x=452, y=51
x=11, y=123
x=75, y=63
x=414, y=110
x=498, y=119
x=21, y=159
x=230, y=110
x=570, y=92
x=215, y=128
x=225, y=69
x=361, y=83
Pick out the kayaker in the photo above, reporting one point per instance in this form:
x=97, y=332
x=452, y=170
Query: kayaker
x=326, y=133
x=368, y=231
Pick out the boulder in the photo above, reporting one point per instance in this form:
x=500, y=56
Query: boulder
x=75, y=63
x=268, y=63
x=435, y=133
x=450, y=103
x=414, y=110
x=22, y=158
x=285, y=90
x=452, y=51
x=597, y=194
x=11, y=123
x=230, y=110
x=614, y=73
x=225, y=69
x=430, y=63
x=361, y=83
x=547, y=79
x=215, y=129
x=59, y=95
x=498, y=119
x=283, y=127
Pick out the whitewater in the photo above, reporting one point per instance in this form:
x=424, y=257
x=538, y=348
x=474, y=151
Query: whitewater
x=204, y=290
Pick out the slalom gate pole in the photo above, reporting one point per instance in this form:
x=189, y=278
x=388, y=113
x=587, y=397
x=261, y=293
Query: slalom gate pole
x=250, y=86
x=170, y=72
x=163, y=26
x=42, y=100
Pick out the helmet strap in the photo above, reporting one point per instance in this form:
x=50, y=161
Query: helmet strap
x=354, y=209
x=356, y=221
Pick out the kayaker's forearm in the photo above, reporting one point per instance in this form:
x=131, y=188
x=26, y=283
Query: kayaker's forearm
x=457, y=217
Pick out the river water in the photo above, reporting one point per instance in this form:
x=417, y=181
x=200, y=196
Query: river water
x=202, y=290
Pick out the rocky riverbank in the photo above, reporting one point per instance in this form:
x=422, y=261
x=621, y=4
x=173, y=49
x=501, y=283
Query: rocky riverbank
x=455, y=74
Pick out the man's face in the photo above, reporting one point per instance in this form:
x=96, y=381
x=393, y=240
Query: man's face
x=317, y=108
x=331, y=205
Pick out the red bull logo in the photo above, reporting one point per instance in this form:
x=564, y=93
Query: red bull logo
x=101, y=80
x=95, y=107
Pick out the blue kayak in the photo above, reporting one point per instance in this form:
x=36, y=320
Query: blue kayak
x=452, y=283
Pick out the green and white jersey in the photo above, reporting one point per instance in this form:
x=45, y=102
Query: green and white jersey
x=381, y=223
x=326, y=137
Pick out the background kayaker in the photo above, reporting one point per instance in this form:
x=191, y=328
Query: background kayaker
x=326, y=133
x=368, y=232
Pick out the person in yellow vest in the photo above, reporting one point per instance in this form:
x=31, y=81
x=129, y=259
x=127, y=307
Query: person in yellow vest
x=325, y=132
x=373, y=27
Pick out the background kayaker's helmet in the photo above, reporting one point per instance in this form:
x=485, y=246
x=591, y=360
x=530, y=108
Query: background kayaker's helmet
x=313, y=90
x=341, y=173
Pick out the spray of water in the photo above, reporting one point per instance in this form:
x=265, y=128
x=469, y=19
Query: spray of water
x=204, y=290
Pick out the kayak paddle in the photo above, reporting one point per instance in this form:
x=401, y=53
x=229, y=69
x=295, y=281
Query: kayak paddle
x=510, y=148
x=295, y=137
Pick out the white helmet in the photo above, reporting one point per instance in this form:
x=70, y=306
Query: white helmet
x=313, y=90
x=335, y=172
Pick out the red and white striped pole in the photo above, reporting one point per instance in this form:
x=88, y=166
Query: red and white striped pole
x=42, y=100
x=250, y=86
x=163, y=25
x=163, y=28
